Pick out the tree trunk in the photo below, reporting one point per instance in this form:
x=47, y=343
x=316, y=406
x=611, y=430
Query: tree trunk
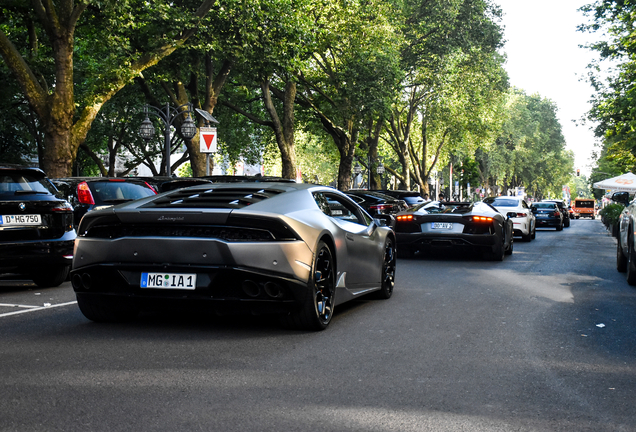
x=283, y=131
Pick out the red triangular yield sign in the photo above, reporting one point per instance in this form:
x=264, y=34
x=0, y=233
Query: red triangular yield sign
x=208, y=138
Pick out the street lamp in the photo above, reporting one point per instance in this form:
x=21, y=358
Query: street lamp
x=168, y=116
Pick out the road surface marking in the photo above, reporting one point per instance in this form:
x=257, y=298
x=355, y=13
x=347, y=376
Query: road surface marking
x=31, y=308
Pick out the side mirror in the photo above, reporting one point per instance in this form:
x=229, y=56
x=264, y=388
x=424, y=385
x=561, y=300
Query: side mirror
x=384, y=220
x=533, y=209
x=621, y=197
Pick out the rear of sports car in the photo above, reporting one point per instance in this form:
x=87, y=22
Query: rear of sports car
x=207, y=248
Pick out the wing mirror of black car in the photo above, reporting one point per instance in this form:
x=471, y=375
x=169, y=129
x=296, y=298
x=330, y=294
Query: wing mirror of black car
x=534, y=210
x=621, y=197
x=511, y=214
x=383, y=220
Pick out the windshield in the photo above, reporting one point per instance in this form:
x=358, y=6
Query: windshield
x=584, y=204
x=23, y=183
x=437, y=207
x=544, y=205
x=116, y=191
x=502, y=202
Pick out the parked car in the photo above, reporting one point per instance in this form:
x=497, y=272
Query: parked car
x=412, y=198
x=36, y=227
x=458, y=225
x=376, y=203
x=626, y=243
x=548, y=215
x=92, y=193
x=164, y=183
x=563, y=209
x=524, y=221
x=294, y=249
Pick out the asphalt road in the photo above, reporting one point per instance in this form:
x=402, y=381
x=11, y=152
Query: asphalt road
x=544, y=341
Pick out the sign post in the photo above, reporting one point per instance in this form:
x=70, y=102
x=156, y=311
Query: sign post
x=207, y=144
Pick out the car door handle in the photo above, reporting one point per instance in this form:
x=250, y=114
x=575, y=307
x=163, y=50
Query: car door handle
x=349, y=237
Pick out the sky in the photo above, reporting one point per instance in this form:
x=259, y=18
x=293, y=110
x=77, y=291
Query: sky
x=542, y=47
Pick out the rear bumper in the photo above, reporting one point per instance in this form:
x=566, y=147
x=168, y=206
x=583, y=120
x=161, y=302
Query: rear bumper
x=548, y=222
x=423, y=240
x=36, y=254
x=219, y=289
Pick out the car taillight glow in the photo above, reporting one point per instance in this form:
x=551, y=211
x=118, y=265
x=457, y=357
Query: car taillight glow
x=380, y=207
x=521, y=215
x=84, y=194
x=404, y=218
x=482, y=219
x=557, y=213
x=63, y=207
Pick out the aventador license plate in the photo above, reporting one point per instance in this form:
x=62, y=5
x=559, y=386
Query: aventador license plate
x=186, y=281
x=442, y=225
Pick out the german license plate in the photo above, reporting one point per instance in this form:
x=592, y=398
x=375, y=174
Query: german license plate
x=185, y=281
x=442, y=225
x=29, y=219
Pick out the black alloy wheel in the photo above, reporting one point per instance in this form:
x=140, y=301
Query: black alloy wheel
x=499, y=250
x=511, y=247
x=621, y=259
x=317, y=308
x=560, y=226
x=388, y=271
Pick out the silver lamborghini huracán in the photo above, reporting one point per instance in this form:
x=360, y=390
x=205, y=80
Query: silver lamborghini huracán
x=293, y=249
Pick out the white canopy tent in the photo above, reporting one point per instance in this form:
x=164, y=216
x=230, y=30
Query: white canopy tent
x=621, y=183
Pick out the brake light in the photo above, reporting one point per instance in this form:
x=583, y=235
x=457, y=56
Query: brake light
x=380, y=207
x=405, y=218
x=557, y=213
x=151, y=188
x=482, y=219
x=521, y=215
x=116, y=180
x=63, y=207
x=84, y=194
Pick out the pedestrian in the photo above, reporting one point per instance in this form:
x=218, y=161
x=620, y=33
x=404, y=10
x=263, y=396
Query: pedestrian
x=442, y=197
x=425, y=197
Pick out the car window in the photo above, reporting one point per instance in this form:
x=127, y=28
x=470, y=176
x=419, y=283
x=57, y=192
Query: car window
x=503, y=202
x=544, y=205
x=19, y=183
x=341, y=208
x=116, y=191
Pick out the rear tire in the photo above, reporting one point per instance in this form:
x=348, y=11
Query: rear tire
x=317, y=307
x=101, y=308
x=621, y=259
x=388, y=272
x=51, y=276
x=560, y=227
x=511, y=247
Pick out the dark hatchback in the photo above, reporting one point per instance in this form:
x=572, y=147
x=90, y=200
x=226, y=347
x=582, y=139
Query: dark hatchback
x=92, y=193
x=548, y=215
x=411, y=198
x=376, y=203
x=36, y=227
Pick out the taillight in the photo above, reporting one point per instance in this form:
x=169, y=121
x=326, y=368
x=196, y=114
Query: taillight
x=521, y=215
x=557, y=213
x=151, y=188
x=62, y=207
x=482, y=219
x=405, y=218
x=380, y=207
x=84, y=194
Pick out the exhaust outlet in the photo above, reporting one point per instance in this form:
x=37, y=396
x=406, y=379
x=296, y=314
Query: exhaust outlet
x=77, y=281
x=251, y=288
x=273, y=290
x=86, y=280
